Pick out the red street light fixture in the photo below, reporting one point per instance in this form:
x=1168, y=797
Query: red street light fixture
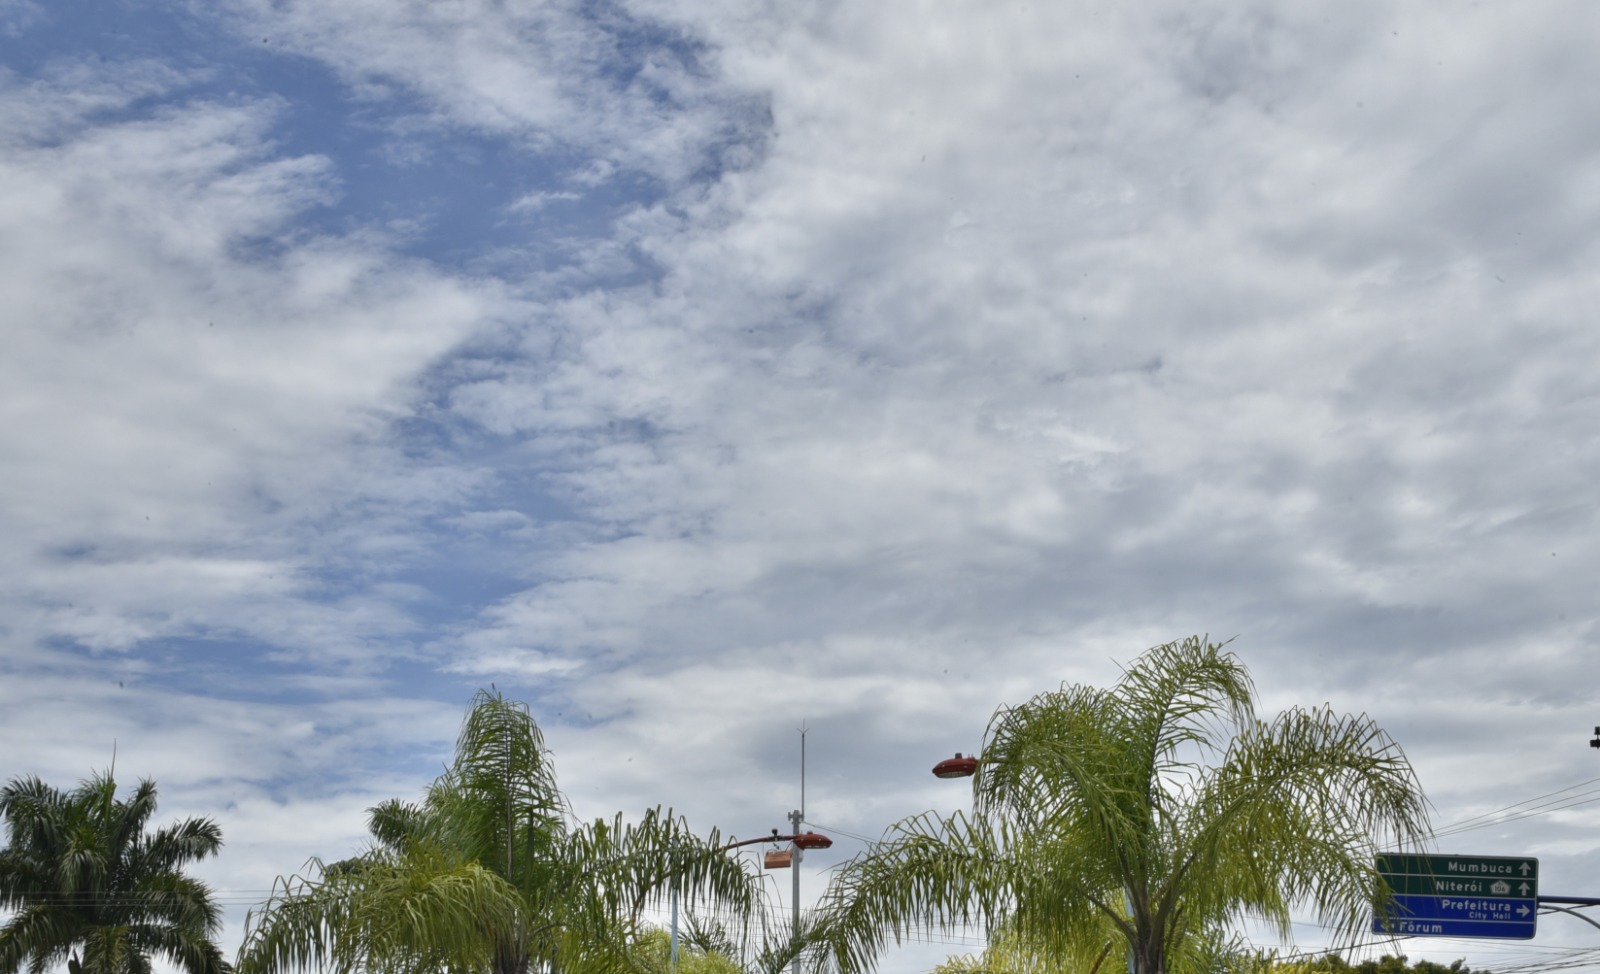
x=784, y=858
x=804, y=840
x=956, y=767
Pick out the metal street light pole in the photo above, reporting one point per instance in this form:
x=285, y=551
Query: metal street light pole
x=798, y=841
x=794, y=818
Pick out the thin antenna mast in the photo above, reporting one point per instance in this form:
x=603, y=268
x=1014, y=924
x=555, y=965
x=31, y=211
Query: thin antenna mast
x=802, y=771
x=796, y=817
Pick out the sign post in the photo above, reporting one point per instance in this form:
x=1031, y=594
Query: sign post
x=1458, y=896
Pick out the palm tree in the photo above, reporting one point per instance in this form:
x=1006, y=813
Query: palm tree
x=774, y=949
x=654, y=949
x=1141, y=821
x=87, y=884
x=488, y=873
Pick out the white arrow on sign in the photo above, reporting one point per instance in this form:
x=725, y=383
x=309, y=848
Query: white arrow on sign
x=1525, y=869
x=1524, y=889
x=1523, y=911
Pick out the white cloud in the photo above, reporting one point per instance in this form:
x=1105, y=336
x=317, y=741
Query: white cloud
x=1047, y=335
x=193, y=383
x=558, y=77
x=1023, y=338
x=533, y=202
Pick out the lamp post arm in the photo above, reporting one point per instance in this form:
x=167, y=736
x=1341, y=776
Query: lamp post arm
x=1565, y=909
x=774, y=837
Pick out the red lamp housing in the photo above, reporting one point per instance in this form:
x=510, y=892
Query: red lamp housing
x=812, y=840
x=956, y=767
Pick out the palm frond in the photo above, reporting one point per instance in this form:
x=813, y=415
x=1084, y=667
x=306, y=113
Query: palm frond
x=487, y=873
x=81, y=871
x=1177, y=693
x=175, y=846
x=411, y=912
x=1157, y=812
x=1304, y=802
x=44, y=932
x=929, y=872
x=499, y=797
x=190, y=953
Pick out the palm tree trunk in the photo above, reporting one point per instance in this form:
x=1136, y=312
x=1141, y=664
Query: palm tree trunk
x=1149, y=956
x=510, y=957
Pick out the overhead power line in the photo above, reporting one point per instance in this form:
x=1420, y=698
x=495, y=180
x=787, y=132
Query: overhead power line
x=1545, y=804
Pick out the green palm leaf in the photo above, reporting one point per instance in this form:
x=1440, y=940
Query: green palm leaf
x=91, y=888
x=488, y=873
x=1142, y=819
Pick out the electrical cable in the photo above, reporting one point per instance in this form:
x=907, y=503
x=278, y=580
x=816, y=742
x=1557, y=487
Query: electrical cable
x=1548, y=802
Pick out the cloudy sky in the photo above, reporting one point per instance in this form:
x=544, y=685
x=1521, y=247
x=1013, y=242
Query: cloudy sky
x=695, y=370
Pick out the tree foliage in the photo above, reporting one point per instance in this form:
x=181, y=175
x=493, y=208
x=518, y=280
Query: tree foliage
x=1387, y=964
x=88, y=886
x=654, y=949
x=1144, y=818
x=488, y=872
x=1009, y=953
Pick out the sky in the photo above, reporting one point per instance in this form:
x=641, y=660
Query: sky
x=699, y=371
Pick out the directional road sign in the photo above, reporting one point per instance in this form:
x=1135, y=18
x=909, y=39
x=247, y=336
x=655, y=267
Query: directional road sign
x=1458, y=896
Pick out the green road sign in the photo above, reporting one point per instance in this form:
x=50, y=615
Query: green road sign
x=1498, y=876
x=1458, y=896
x=1506, y=867
x=1463, y=886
